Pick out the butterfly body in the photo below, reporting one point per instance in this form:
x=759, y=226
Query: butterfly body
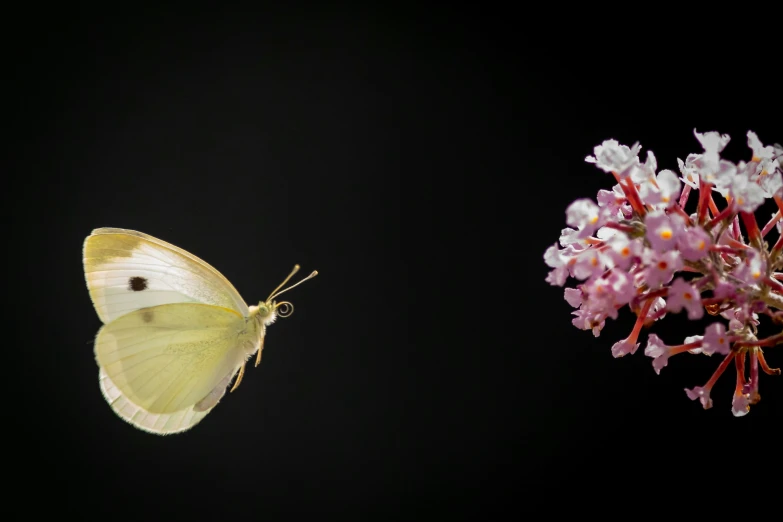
x=175, y=333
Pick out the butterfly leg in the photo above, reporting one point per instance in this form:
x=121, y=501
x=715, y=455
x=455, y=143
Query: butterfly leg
x=260, y=349
x=239, y=378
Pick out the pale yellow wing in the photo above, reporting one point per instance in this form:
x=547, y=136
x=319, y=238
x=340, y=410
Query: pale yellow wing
x=128, y=270
x=158, y=423
x=169, y=358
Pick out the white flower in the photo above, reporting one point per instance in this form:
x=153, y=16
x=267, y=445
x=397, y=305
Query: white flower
x=610, y=156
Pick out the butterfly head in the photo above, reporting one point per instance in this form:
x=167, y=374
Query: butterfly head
x=270, y=309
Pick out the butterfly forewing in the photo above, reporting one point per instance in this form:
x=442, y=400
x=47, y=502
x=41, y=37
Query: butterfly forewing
x=127, y=270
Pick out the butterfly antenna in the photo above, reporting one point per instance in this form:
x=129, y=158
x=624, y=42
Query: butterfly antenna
x=294, y=271
x=275, y=292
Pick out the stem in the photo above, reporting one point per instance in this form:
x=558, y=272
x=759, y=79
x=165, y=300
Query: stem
x=628, y=229
x=633, y=197
x=684, y=348
x=719, y=371
x=775, y=252
x=704, y=194
x=713, y=206
x=775, y=285
x=684, y=196
x=754, y=234
x=735, y=228
x=681, y=212
x=724, y=214
x=640, y=320
x=773, y=300
x=772, y=222
x=726, y=249
x=772, y=340
x=753, y=384
x=765, y=366
x=739, y=362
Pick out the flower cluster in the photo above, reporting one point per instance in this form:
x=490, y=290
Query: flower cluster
x=637, y=246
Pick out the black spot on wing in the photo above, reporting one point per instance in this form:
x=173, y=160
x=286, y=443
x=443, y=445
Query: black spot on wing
x=137, y=284
x=147, y=316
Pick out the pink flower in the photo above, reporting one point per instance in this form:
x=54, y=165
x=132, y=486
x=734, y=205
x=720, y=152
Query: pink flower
x=662, y=190
x=606, y=294
x=588, y=320
x=751, y=269
x=694, y=243
x=661, y=267
x=740, y=405
x=614, y=201
x=662, y=230
x=610, y=156
x=622, y=251
x=684, y=295
x=760, y=152
x=586, y=216
x=715, y=339
x=713, y=144
x=555, y=258
x=573, y=297
x=638, y=245
x=701, y=393
x=658, y=305
x=658, y=351
x=589, y=263
x=746, y=196
x=724, y=290
x=624, y=347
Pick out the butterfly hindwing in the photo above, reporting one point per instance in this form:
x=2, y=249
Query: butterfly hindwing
x=175, y=357
x=128, y=270
x=160, y=423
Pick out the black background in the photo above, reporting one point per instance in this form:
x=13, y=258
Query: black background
x=422, y=163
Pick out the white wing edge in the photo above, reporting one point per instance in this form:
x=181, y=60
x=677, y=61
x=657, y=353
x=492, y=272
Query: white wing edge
x=157, y=423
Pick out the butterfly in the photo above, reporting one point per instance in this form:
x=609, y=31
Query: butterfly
x=175, y=331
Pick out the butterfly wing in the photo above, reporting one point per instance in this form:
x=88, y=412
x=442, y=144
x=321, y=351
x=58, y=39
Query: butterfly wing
x=165, y=367
x=128, y=270
x=159, y=423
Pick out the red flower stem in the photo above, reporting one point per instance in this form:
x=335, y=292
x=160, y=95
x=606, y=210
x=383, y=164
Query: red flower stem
x=678, y=209
x=772, y=340
x=775, y=252
x=719, y=371
x=724, y=214
x=713, y=206
x=739, y=362
x=637, y=328
x=701, y=208
x=736, y=244
x=726, y=249
x=632, y=195
x=754, y=234
x=753, y=383
x=735, y=228
x=619, y=226
x=684, y=348
x=773, y=284
x=765, y=366
x=772, y=222
x=661, y=292
x=684, y=196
